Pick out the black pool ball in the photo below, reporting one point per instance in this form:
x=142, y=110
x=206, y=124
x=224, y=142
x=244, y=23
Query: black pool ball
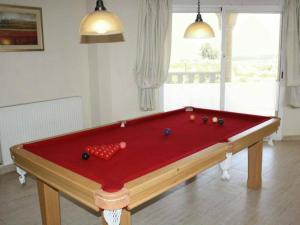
x=167, y=131
x=220, y=121
x=85, y=156
x=205, y=119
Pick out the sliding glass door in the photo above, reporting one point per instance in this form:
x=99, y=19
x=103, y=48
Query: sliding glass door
x=252, y=52
x=236, y=71
x=195, y=68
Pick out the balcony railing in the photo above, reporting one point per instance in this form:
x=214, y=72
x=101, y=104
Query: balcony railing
x=193, y=77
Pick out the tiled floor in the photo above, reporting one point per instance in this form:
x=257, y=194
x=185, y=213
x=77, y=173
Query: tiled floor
x=205, y=200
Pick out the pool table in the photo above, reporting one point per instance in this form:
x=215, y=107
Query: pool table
x=152, y=162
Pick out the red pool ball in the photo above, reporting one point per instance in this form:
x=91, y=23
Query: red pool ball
x=123, y=145
x=192, y=117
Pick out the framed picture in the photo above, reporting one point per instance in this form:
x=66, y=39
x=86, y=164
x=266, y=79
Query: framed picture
x=21, y=28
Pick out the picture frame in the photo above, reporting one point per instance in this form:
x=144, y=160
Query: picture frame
x=21, y=28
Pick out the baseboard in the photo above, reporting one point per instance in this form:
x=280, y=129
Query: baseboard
x=7, y=169
x=291, y=138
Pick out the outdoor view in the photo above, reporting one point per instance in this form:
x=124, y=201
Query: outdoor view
x=252, y=86
x=194, y=75
x=251, y=64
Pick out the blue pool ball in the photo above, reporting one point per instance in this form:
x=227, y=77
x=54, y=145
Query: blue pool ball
x=167, y=131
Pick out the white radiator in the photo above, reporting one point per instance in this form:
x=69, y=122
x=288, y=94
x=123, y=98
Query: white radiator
x=27, y=122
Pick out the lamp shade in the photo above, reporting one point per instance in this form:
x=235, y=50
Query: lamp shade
x=101, y=22
x=199, y=29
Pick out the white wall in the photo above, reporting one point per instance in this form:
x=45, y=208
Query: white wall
x=101, y=73
x=291, y=121
x=113, y=88
x=59, y=71
x=290, y=116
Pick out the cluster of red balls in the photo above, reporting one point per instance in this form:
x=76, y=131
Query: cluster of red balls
x=105, y=151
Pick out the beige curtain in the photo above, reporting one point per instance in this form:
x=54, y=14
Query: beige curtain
x=291, y=50
x=153, y=49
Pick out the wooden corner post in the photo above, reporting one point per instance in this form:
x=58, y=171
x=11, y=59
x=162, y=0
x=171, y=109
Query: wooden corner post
x=49, y=203
x=255, y=165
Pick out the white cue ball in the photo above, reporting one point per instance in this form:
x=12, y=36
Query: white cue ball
x=215, y=119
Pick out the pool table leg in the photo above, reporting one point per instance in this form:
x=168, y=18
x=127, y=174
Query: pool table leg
x=125, y=218
x=255, y=165
x=49, y=204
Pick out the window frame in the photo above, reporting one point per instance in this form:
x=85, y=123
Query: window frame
x=224, y=10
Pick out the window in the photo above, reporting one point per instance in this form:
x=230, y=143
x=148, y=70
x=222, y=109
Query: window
x=252, y=65
x=195, y=67
x=236, y=71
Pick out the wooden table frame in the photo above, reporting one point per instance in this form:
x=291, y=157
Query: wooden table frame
x=52, y=179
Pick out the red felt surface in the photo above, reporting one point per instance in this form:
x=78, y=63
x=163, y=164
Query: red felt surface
x=147, y=148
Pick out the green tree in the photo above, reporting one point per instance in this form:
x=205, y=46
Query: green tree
x=208, y=52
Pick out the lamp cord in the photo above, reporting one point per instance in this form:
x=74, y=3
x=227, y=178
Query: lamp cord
x=199, y=17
